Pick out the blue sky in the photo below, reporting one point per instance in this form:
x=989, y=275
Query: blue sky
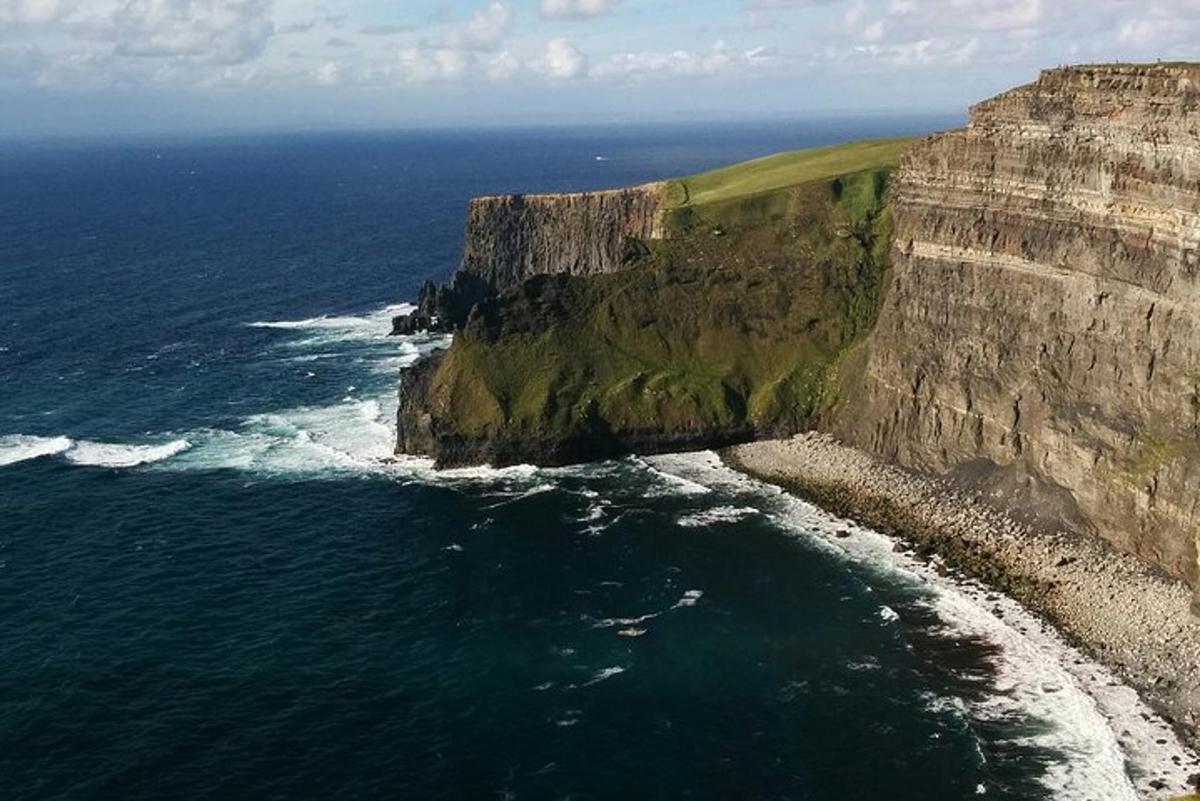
x=106, y=66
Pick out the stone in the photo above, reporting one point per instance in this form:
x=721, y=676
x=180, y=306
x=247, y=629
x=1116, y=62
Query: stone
x=1041, y=333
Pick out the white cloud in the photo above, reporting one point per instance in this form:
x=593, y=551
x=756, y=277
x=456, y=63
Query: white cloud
x=423, y=65
x=926, y=52
x=503, y=67
x=220, y=31
x=875, y=32
x=911, y=21
x=457, y=54
x=920, y=33
x=763, y=5
x=204, y=43
x=680, y=63
x=331, y=73
x=576, y=9
x=485, y=29
x=1161, y=29
x=33, y=12
x=855, y=14
x=562, y=61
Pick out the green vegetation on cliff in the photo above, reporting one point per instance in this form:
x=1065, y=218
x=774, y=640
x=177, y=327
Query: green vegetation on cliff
x=785, y=170
x=723, y=330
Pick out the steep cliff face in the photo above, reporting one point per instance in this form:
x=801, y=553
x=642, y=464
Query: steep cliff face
x=1040, y=335
x=511, y=238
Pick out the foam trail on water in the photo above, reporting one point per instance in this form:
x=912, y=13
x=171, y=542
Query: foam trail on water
x=604, y=674
x=373, y=320
x=1111, y=744
x=326, y=330
x=18, y=448
x=106, y=454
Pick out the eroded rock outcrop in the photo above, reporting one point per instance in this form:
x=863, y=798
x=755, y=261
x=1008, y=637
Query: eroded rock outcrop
x=511, y=238
x=1041, y=333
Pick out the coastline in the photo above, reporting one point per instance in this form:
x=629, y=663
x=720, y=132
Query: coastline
x=1110, y=606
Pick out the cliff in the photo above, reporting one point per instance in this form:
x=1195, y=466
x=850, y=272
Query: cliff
x=1040, y=337
x=511, y=238
x=697, y=313
x=1014, y=307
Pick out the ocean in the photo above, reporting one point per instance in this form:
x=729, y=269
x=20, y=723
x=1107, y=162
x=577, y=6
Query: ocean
x=215, y=583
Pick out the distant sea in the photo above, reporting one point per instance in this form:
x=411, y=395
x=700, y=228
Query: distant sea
x=214, y=584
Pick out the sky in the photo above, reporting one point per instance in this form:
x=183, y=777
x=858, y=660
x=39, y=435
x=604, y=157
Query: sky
x=78, y=67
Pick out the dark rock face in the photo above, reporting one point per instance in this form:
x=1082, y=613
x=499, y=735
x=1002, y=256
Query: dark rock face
x=511, y=238
x=446, y=307
x=414, y=423
x=455, y=451
x=1042, y=320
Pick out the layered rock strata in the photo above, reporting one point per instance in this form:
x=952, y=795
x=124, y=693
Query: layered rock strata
x=1040, y=338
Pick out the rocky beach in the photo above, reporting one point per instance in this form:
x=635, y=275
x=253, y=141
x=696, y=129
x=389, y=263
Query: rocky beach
x=1113, y=607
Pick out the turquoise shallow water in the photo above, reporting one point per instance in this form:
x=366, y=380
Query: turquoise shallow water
x=215, y=584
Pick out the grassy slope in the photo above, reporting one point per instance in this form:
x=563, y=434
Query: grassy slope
x=732, y=322
x=784, y=170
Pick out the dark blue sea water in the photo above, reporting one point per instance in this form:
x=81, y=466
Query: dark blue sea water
x=215, y=585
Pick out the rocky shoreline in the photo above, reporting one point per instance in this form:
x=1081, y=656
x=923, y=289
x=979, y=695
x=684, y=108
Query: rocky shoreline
x=1116, y=609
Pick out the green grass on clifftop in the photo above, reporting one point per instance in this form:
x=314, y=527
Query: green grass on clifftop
x=784, y=170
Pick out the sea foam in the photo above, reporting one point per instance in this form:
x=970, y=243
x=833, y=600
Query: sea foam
x=374, y=321
x=352, y=436
x=604, y=674
x=326, y=329
x=114, y=455
x=718, y=514
x=22, y=448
